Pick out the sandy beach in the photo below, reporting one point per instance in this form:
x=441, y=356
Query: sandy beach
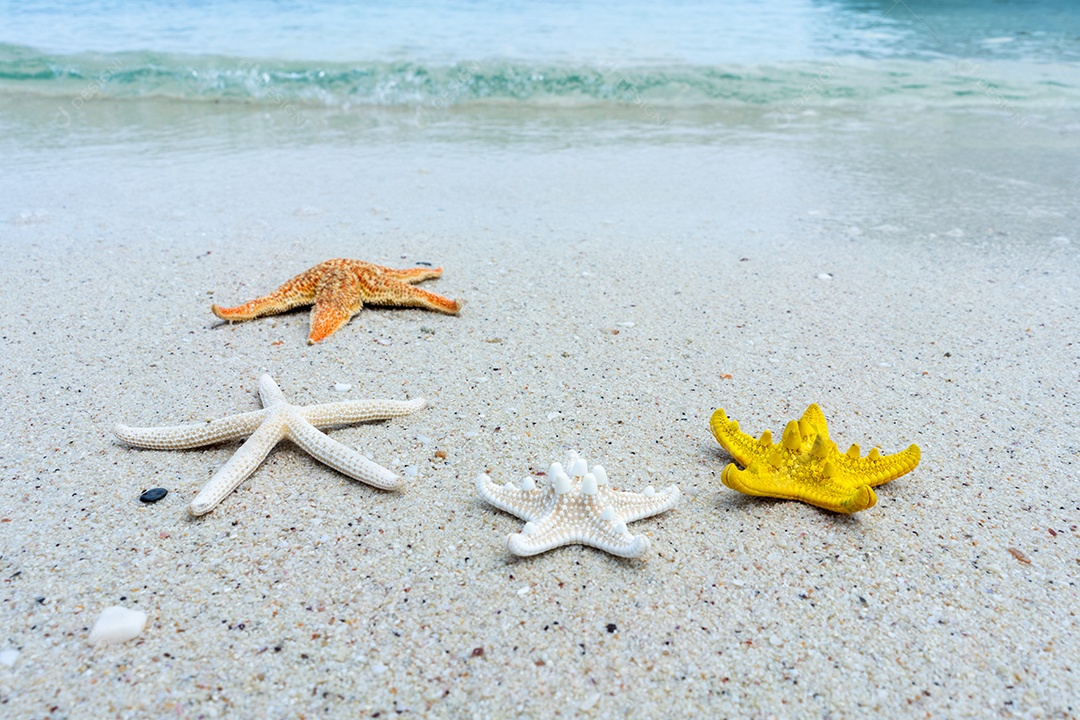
x=916, y=280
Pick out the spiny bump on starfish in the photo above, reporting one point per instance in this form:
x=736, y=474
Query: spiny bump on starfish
x=338, y=289
x=264, y=428
x=576, y=507
x=806, y=465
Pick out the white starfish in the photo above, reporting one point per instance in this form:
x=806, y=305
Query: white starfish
x=266, y=428
x=576, y=508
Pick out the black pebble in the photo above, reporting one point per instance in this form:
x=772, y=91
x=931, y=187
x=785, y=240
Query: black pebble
x=153, y=495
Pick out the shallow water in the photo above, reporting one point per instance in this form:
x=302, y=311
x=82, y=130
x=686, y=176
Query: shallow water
x=635, y=32
x=902, y=92
x=442, y=55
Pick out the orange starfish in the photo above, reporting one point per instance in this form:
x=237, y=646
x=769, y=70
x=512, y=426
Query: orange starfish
x=339, y=288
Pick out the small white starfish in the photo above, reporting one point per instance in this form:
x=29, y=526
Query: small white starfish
x=266, y=428
x=576, y=508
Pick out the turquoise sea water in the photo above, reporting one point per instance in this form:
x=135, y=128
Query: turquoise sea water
x=788, y=54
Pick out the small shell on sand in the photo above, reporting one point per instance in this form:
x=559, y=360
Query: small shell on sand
x=8, y=656
x=117, y=625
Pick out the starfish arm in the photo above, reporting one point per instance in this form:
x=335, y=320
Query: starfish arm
x=745, y=482
x=526, y=504
x=551, y=532
x=739, y=445
x=878, y=470
x=388, y=291
x=340, y=457
x=544, y=537
x=414, y=275
x=632, y=506
x=240, y=465
x=358, y=411
x=340, y=297
x=823, y=493
x=300, y=290
x=269, y=392
x=613, y=537
x=182, y=437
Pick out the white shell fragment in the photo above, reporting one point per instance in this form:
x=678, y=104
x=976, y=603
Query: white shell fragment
x=116, y=625
x=8, y=656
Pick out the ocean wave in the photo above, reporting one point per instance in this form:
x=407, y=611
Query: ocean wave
x=789, y=88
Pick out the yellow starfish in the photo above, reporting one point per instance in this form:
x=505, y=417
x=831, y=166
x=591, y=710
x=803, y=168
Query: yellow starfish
x=339, y=288
x=806, y=465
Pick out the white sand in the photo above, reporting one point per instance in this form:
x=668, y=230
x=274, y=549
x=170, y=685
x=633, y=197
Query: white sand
x=950, y=320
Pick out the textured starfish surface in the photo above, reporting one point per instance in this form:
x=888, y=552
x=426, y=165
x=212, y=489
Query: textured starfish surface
x=265, y=428
x=576, y=507
x=339, y=288
x=806, y=465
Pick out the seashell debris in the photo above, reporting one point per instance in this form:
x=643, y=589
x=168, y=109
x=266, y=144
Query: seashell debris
x=116, y=625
